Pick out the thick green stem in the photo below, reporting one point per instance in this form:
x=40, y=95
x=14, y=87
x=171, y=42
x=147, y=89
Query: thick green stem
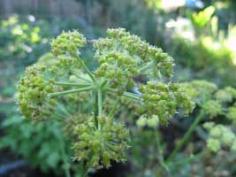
x=186, y=136
x=71, y=91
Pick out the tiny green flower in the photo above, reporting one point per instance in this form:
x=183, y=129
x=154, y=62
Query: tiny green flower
x=227, y=137
x=32, y=94
x=153, y=121
x=68, y=43
x=223, y=96
x=142, y=121
x=231, y=114
x=213, y=144
x=212, y=108
x=98, y=147
x=216, y=132
x=163, y=100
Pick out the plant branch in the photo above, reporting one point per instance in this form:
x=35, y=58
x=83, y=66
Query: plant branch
x=132, y=96
x=81, y=78
x=70, y=91
x=86, y=69
x=99, y=102
x=96, y=109
x=71, y=84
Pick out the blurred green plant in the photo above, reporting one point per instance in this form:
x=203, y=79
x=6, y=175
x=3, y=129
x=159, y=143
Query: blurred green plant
x=212, y=122
x=201, y=19
x=209, y=59
x=18, y=39
x=47, y=150
x=203, y=48
x=178, y=159
x=21, y=43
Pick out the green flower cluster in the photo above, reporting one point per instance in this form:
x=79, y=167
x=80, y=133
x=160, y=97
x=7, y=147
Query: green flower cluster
x=226, y=95
x=32, y=94
x=119, y=68
x=123, y=56
x=199, y=90
x=215, y=102
x=223, y=96
x=68, y=43
x=62, y=78
x=63, y=66
x=220, y=136
x=39, y=81
x=231, y=91
x=163, y=100
x=98, y=147
x=212, y=108
x=231, y=114
x=62, y=61
x=141, y=49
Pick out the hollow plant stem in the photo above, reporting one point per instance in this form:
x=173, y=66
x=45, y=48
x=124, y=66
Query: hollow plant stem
x=186, y=136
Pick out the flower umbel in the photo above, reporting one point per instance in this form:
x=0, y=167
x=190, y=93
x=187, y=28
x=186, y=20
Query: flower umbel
x=99, y=147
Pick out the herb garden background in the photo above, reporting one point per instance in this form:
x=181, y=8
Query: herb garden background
x=128, y=88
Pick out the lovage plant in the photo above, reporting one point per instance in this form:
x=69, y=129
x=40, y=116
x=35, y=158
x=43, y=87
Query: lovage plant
x=63, y=88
